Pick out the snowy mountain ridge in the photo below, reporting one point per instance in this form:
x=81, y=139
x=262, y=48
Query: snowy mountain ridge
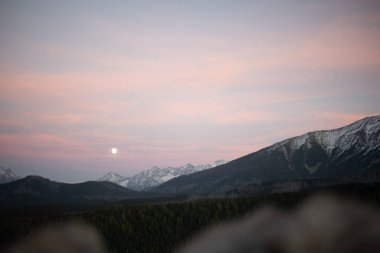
x=156, y=176
x=362, y=135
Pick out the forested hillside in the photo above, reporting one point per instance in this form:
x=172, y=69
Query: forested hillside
x=161, y=227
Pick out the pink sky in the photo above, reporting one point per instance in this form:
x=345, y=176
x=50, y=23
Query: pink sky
x=172, y=83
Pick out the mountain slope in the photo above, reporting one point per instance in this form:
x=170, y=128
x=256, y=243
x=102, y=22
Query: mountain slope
x=156, y=176
x=7, y=175
x=35, y=190
x=320, y=154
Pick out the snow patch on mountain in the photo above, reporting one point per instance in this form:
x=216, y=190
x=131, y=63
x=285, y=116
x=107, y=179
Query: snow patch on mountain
x=313, y=169
x=7, y=175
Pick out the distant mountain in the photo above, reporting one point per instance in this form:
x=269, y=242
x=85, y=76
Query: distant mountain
x=341, y=152
x=35, y=190
x=115, y=178
x=6, y=176
x=156, y=176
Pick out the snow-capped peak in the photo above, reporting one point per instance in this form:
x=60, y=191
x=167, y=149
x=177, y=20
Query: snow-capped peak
x=156, y=175
x=115, y=178
x=111, y=176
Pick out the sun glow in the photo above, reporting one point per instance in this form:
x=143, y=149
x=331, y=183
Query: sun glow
x=114, y=151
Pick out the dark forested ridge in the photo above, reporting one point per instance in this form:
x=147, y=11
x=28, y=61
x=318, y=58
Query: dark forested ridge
x=161, y=227
x=35, y=190
x=371, y=176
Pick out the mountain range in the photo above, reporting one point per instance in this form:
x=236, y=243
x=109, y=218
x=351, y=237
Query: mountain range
x=346, y=154
x=341, y=152
x=155, y=176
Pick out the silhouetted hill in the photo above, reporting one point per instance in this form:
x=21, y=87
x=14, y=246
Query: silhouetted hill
x=35, y=190
x=341, y=152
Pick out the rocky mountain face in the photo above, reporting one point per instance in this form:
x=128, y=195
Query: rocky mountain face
x=35, y=190
x=6, y=176
x=156, y=176
x=345, y=151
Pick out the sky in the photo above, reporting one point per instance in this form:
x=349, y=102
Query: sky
x=174, y=82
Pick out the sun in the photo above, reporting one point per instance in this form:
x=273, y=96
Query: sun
x=114, y=151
